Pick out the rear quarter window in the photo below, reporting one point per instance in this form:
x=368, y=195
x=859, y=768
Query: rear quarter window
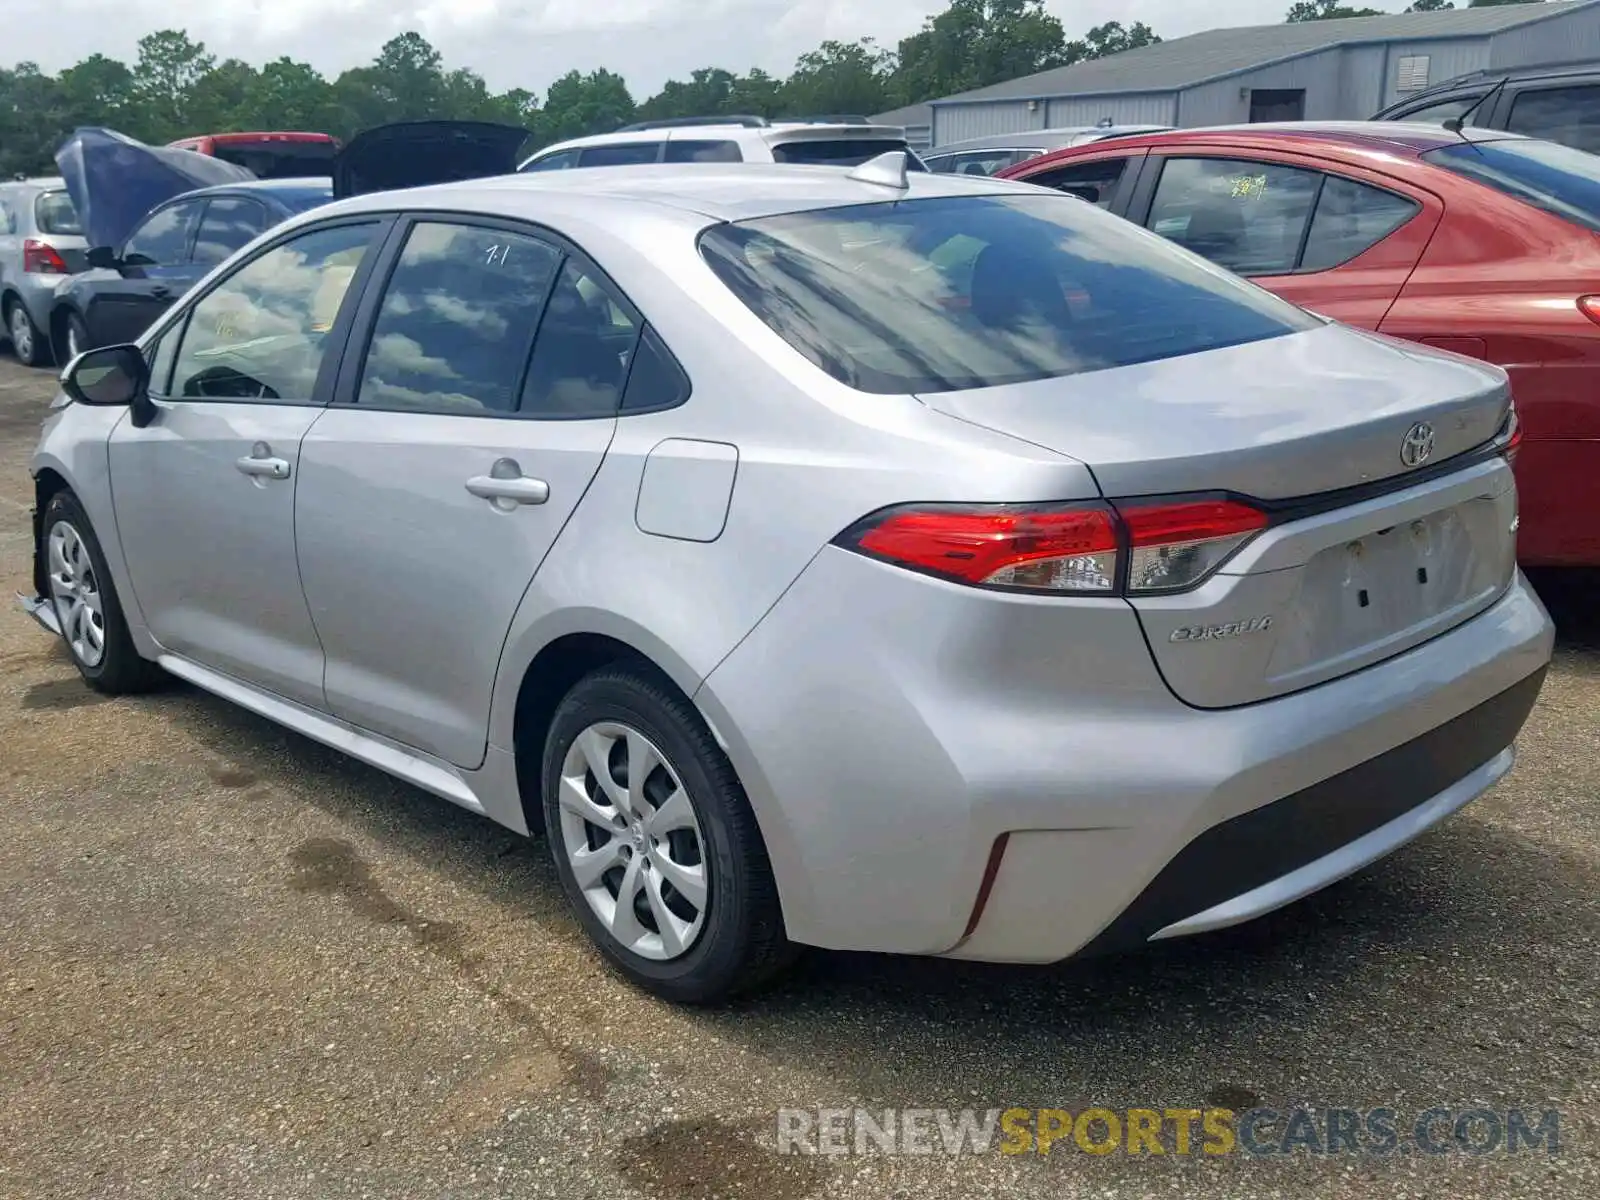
x=968, y=292
x=53, y=213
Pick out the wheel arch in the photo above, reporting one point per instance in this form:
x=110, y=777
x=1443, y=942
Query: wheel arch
x=60, y=311
x=565, y=657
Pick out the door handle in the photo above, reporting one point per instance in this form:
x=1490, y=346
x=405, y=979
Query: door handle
x=260, y=463
x=506, y=486
x=161, y=291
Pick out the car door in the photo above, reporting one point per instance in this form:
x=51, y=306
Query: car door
x=456, y=449
x=205, y=490
x=1337, y=240
x=152, y=264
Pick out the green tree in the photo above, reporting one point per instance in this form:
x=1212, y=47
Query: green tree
x=100, y=91
x=170, y=66
x=32, y=116
x=974, y=43
x=1431, y=5
x=579, y=104
x=1327, y=10
x=1498, y=3
x=290, y=95
x=1111, y=38
x=841, y=77
x=220, y=99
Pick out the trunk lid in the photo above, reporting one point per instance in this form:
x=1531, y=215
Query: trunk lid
x=1360, y=563
x=114, y=180
x=417, y=153
x=1286, y=417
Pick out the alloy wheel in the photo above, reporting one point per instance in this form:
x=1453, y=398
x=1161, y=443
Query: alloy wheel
x=633, y=841
x=76, y=593
x=21, y=334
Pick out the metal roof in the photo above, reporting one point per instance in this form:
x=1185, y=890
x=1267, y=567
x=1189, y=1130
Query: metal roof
x=1217, y=53
x=911, y=115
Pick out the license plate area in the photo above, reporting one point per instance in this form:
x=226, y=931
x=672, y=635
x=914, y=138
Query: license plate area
x=1397, y=585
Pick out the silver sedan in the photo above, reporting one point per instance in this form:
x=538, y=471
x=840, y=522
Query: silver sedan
x=864, y=559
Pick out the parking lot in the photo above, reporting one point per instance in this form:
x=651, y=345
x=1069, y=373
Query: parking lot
x=233, y=963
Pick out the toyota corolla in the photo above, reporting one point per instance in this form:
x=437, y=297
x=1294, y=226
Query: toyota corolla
x=875, y=560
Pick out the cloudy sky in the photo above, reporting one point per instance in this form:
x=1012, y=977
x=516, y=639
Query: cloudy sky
x=527, y=43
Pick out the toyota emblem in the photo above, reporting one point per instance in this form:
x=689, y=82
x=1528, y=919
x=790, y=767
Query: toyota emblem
x=1417, y=446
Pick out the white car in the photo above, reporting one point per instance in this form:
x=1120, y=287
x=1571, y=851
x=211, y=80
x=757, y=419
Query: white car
x=820, y=141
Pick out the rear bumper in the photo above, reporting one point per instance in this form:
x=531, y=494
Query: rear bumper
x=1276, y=854
x=889, y=743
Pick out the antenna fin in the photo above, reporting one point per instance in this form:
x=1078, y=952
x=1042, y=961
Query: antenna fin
x=887, y=170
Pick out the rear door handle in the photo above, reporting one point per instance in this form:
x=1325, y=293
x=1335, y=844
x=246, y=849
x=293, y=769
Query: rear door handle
x=260, y=463
x=506, y=486
x=161, y=291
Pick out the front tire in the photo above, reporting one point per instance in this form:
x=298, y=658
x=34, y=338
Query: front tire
x=27, y=343
x=75, y=336
x=655, y=843
x=86, y=604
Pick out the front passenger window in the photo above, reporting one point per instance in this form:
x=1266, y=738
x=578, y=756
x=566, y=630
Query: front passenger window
x=259, y=334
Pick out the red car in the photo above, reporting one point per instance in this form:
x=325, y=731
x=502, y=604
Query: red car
x=270, y=155
x=1484, y=243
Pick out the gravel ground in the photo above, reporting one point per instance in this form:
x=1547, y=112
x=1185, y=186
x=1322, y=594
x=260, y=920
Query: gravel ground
x=233, y=964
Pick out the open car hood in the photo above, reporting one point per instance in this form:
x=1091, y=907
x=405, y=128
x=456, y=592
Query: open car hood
x=417, y=153
x=114, y=181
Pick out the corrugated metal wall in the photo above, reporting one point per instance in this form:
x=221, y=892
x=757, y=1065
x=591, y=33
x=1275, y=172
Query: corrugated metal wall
x=1575, y=35
x=1227, y=101
x=957, y=122
x=1446, y=60
x=1144, y=108
x=1349, y=83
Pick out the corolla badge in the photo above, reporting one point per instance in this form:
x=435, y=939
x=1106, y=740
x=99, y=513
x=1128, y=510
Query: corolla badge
x=1417, y=446
x=1217, y=633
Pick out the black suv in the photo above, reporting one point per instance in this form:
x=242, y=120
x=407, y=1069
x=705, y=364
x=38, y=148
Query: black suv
x=1557, y=103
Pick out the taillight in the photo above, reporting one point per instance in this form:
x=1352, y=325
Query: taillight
x=1172, y=547
x=1589, y=306
x=1510, y=438
x=41, y=259
x=1007, y=546
x=1075, y=549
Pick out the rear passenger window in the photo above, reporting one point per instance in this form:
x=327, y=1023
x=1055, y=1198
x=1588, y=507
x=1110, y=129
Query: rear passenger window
x=1249, y=217
x=1351, y=219
x=1569, y=115
x=585, y=345
x=457, y=320
x=230, y=223
x=624, y=155
x=682, y=152
x=559, y=161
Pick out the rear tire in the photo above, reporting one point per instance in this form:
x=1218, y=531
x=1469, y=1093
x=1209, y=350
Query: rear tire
x=30, y=346
x=86, y=604
x=733, y=940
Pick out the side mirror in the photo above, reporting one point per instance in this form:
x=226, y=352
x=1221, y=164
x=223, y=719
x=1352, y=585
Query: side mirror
x=103, y=258
x=110, y=377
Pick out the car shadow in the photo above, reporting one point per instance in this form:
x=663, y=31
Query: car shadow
x=1455, y=969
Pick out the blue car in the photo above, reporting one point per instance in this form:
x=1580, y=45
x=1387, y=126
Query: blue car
x=157, y=219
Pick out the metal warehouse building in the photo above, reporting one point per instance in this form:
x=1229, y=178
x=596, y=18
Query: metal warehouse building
x=1316, y=70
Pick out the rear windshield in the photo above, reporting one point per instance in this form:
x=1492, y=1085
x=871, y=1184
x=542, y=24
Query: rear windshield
x=1547, y=175
x=53, y=213
x=840, y=152
x=976, y=291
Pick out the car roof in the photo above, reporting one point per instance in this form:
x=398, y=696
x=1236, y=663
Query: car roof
x=729, y=131
x=1409, y=139
x=288, y=189
x=721, y=192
